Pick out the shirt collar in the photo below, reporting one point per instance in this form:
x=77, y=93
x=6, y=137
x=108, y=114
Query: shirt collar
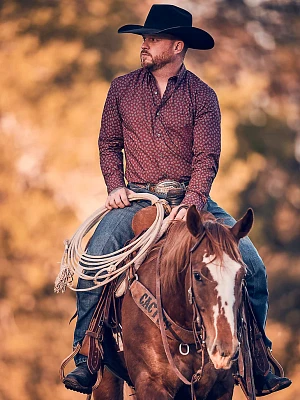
x=180, y=75
x=177, y=78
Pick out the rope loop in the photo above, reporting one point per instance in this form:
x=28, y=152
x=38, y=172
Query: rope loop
x=104, y=268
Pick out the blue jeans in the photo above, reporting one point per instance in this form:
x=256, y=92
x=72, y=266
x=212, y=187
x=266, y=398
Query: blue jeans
x=114, y=230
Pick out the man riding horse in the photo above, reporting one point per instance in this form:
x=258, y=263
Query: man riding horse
x=167, y=121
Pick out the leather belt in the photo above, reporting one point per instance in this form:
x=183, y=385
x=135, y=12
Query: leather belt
x=163, y=187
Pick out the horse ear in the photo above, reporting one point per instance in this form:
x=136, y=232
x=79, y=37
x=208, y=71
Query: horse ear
x=194, y=221
x=243, y=225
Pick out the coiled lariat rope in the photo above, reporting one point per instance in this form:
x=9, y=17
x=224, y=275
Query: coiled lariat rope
x=103, y=269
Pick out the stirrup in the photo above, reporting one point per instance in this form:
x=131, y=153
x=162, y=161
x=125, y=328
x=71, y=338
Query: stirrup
x=275, y=364
x=70, y=357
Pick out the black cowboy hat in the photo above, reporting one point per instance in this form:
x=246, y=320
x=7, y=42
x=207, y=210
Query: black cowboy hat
x=172, y=20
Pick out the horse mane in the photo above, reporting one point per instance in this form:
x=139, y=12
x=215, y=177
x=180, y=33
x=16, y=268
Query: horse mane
x=179, y=241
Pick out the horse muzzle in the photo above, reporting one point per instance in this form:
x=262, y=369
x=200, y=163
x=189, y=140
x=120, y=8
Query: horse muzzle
x=222, y=358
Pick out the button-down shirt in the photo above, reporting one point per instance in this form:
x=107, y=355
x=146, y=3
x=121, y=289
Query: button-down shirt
x=174, y=137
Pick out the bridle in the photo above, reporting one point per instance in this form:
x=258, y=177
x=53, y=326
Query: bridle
x=197, y=322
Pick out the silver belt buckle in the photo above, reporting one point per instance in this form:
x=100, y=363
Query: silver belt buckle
x=164, y=186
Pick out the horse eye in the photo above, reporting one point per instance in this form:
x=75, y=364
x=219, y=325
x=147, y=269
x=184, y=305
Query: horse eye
x=197, y=276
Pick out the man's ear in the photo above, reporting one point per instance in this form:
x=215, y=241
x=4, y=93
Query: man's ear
x=179, y=45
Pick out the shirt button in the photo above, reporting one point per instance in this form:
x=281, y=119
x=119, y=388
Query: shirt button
x=155, y=92
x=158, y=134
x=157, y=113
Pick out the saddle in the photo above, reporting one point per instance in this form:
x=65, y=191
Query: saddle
x=143, y=219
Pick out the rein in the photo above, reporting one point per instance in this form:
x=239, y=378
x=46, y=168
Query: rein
x=199, y=338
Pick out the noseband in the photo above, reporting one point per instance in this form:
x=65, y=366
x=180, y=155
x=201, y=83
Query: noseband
x=197, y=322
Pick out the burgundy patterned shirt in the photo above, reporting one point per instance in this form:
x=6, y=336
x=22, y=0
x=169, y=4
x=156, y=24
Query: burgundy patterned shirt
x=174, y=137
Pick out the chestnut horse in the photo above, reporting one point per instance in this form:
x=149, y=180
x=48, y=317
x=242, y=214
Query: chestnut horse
x=200, y=276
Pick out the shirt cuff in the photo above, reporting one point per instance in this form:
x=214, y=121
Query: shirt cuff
x=115, y=183
x=193, y=198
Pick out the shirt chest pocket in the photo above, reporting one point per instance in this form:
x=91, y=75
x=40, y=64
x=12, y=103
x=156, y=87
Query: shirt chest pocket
x=179, y=117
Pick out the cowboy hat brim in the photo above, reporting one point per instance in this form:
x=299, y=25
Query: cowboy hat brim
x=194, y=38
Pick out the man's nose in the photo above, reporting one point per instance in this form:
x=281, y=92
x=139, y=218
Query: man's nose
x=145, y=44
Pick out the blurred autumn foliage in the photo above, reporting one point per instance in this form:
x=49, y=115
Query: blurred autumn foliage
x=57, y=60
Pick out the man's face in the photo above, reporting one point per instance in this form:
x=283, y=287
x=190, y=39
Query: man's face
x=157, y=51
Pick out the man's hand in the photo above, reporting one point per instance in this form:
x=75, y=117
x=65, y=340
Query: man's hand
x=179, y=212
x=118, y=198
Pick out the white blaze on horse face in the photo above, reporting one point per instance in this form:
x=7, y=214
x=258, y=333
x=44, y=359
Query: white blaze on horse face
x=224, y=275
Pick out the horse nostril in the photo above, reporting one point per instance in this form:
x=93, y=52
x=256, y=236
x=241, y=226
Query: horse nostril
x=214, y=350
x=223, y=353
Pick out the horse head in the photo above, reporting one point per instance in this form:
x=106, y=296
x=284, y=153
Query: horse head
x=215, y=277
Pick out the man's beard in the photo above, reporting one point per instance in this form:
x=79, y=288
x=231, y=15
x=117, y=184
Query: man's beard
x=155, y=63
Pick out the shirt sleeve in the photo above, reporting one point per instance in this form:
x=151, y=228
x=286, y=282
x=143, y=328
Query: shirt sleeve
x=111, y=141
x=206, y=149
